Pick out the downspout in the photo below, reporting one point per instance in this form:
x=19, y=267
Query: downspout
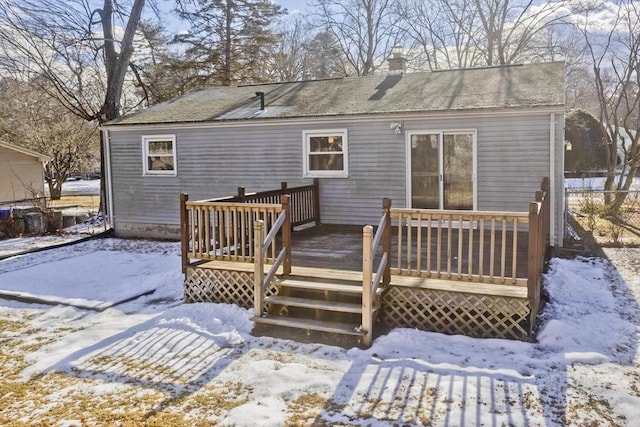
x=106, y=137
x=552, y=180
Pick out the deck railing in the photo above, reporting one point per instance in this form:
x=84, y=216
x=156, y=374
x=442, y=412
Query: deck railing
x=458, y=245
x=222, y=228
x=304, y=200
x=539, y=223
x=262, y=244
x=473, y=246
x=371, y=282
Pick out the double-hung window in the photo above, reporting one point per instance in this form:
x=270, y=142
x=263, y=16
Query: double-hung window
x=159, y=155
x=325, y=154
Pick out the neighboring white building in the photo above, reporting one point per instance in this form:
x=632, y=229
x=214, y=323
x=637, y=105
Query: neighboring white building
x=21, y=173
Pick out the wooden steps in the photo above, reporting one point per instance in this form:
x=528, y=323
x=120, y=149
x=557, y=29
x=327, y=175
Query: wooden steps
x=328, y=303
x=315, y=304
x=311, y=324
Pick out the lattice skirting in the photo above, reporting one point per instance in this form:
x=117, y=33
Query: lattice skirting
x=223, y=286
x=475, y=315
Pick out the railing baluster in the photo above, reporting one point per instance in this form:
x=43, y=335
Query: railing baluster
x=460, y=236
x=449, y=246
x=236, y=243
x=429, y=220
x=514, y=257
x=493, y=248
x=439, y=247
x=504, y=250
x=470, y=256
x=481, y=249
x=201, y=246
x=220, y=227
x=409, y=248
x=400, y=231
x=419, y=244
x=207, y=230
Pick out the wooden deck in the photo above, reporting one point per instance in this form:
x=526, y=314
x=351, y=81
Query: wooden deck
x=458, y=272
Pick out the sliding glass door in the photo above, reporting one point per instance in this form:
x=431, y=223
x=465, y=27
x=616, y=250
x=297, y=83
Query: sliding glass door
x=441, y=170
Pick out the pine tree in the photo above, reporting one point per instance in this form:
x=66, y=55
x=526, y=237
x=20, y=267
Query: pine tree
x=228, y=40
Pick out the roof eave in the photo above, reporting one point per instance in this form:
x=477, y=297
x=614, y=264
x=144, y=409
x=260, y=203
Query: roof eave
x=42, y=157
x=555, y=107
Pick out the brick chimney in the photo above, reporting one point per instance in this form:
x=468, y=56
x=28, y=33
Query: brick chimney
x=397, y=61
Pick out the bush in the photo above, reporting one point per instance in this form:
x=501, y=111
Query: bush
x=12, y=227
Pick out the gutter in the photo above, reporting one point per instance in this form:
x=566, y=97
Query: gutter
x=552, y=179
x=106, y=138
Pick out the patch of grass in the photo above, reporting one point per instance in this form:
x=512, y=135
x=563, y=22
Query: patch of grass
x=305, y=409
x=10, y=325
x=92, y=203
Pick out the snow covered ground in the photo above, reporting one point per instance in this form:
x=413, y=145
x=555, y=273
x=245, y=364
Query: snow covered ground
x=592, y=183
x=80, y=187
x=155, y=360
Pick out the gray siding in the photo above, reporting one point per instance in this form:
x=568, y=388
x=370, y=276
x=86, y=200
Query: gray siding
x=512, y=158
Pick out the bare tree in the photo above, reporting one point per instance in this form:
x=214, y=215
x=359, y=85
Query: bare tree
x=364, y=29
x=73, y=50
x=509, y=27
x=442, y=32
x=461, y=34
x=302, y=54
x=615, y=58
x=289, y=56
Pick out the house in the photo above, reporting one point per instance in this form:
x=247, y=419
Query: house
x=21, y=174
x=461, y=171
x=475, y=139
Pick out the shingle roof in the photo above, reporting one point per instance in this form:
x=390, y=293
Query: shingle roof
x=517, y=86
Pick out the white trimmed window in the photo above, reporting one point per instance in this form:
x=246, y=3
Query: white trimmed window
x=159, y=155
x=325, y=154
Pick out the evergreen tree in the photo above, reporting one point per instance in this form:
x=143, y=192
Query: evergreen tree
x=228, y=41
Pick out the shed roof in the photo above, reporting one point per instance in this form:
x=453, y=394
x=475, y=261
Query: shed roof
x=43, y=158
x=515, y=86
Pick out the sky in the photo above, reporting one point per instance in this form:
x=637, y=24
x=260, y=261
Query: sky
x=155, y=356
x=293, y=5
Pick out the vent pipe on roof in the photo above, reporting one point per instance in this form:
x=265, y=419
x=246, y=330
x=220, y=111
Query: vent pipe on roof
x=261, y=95
x=397, y=61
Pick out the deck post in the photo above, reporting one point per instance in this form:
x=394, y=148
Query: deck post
x=316, y=200
x=533, y=261
x=545, y=184
x=241, y=194
x=367, y=278
x=258, y=267
x=386, y=239
x=184, y=231
x=286, y=234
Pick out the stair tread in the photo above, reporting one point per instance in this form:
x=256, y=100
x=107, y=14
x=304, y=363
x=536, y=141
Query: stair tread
x=325, y=273
x=315, y=303
x=316, y=325
x=326, y=286
x=322, y=286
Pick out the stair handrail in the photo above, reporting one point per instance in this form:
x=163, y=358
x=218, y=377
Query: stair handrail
x=261, y=246
x=370, y=283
